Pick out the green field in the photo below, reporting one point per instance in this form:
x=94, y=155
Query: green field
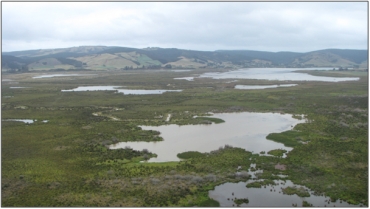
x=66, y=162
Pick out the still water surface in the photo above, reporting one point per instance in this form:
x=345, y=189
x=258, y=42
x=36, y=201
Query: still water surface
x=278, y=74
x=185, y=78
x=117, y=88
x=264, y=197
x=246, y=130
x=269, y=196
x=27, y=121
x=17, y=87
x=262, y=86
x=60, y=75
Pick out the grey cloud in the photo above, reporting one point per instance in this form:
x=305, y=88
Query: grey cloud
x=298, y=26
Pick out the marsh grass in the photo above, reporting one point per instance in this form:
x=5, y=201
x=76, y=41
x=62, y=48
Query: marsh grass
x=190, y=154
x=66, y=162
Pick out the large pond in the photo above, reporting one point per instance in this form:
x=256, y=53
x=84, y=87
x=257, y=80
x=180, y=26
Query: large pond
x=117, y=88
x=246, y=130
x=279, y=74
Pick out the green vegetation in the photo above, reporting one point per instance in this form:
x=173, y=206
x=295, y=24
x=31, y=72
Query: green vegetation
x=66, y=162
x=208, y=119
x=306, y=204
x=288, y=138
x=209, y=203
x=277, y=152
x=295, y=190
x=241, y=201
x=190, y=154
x=259, y=184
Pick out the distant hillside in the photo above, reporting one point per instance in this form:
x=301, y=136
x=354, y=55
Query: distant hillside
x=121, y=58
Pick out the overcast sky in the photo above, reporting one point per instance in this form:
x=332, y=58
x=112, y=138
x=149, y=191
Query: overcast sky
x=206, y=26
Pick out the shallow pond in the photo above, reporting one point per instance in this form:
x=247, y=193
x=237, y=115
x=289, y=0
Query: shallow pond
x=94, y=88
x=246, y=130
x=27, y=121
x=262, y=86
x=185, y=78
x=180, y=70
x=134, y=91
x=271, y=196
x=117, y=88
x=60, y=75
x=279, y=74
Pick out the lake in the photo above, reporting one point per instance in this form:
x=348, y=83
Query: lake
x=246, y=130
x=277, y=74
x=117, y=88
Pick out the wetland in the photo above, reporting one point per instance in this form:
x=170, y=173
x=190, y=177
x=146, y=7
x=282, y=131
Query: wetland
x=97, y=148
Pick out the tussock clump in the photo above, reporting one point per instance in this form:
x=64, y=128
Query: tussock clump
x=197, y=180
x=343, y=124
x=155, y=181
x=210, y=177
x=242, y=174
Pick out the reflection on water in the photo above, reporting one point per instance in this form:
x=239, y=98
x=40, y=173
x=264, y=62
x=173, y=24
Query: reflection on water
x=116, y=88
x=280, y=74
x=262, y=86
x=271, y=196
x=245, y=130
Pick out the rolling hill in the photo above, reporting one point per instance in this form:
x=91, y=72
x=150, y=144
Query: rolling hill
x=123, y=58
